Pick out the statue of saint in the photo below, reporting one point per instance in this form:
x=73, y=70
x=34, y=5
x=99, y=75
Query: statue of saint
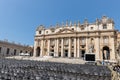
x=91, y=48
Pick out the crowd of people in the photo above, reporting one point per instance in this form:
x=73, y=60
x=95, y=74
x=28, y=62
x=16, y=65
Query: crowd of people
x=11, y=69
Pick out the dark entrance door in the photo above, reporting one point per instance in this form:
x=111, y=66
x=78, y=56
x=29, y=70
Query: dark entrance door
x=38, y=51
x=106, y=53
x=82, y=53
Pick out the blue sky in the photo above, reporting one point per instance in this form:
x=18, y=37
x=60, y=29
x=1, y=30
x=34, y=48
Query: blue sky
x=20, y=18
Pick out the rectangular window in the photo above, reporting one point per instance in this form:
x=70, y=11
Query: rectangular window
x=104, y=26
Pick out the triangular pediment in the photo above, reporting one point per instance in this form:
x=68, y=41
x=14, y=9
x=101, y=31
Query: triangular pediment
x=66, y=30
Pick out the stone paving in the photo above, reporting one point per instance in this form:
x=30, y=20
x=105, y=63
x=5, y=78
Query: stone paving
x=50, y=59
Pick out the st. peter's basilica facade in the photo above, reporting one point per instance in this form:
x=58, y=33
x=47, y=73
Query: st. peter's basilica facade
x=76, y=40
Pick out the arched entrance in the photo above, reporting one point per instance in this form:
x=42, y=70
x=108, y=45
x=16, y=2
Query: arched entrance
x=106, y=53
x=38, y=51
x=15, y=52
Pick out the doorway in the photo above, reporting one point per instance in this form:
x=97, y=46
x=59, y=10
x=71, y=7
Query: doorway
x=38, y=51
x=106, y=53
x=82, y=53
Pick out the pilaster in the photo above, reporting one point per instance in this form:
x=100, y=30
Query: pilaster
x=57, y=47
x=42, y=48
x=97, y=48
x=69, y=51
x=86, y=45
x=35, y=46
x=75, y=47
x=62, y=47
x=48, y=47
x=112, y=51
x=78, y=47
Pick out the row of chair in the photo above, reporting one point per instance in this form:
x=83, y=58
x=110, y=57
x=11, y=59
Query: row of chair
x=11, y=69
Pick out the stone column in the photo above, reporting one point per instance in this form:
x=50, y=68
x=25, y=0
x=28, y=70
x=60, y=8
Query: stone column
x=4, y=51
x=97, y=48
x=35, y=46
x=112, y=48
x=42, y=48
x=86, y=45
x=75, y=47
x=48, y=47
x=101, y=47
x=78, y=47
x=57, y=47
x=69, y=51
x=62, y=47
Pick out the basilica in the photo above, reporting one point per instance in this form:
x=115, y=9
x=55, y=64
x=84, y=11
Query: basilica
x=74, y=40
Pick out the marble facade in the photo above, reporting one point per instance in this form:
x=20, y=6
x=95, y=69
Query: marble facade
x=75, y=40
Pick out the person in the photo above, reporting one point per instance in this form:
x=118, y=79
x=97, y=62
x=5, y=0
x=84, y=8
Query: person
x=103, y=62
